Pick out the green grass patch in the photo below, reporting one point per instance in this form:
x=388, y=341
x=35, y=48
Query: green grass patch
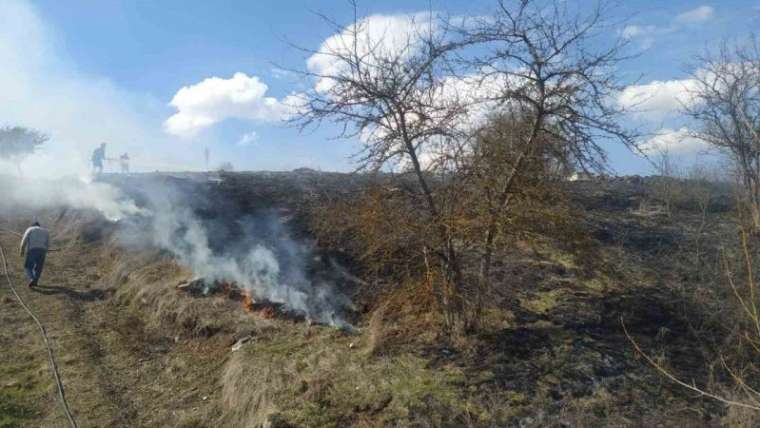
x=542, y=302
x=15, y=407
x=20, y=389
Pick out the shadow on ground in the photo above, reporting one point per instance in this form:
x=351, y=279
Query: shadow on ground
x=84, y=296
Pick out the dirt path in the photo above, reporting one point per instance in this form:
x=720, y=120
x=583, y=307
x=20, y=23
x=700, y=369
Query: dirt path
x=62, y=303
x=115, y=373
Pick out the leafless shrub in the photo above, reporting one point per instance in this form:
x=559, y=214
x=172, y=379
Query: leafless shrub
x=726, y=106
x=668, y=186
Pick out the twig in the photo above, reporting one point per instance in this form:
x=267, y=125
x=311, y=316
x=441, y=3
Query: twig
x=670, y=376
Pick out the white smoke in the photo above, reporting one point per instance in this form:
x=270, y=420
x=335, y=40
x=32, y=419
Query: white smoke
x=43, y=88
x=80, y=193
x=259, y=255
x=272, y=267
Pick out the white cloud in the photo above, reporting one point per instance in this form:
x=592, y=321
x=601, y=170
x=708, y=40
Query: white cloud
x=281, y=73
x=647, y=34
x=247, y=139
x=699, y=14
x=386, y=34
x=215, y=99
x=658, y=99
x=673, y=141
x=632, y=31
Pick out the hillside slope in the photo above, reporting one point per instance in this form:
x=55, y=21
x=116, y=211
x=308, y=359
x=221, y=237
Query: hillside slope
x=135, y=351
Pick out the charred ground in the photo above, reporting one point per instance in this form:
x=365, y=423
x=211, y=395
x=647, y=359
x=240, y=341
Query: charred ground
x=135, y=351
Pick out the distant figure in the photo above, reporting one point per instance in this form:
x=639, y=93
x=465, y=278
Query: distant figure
x=98, y=156
x=124, y=162
x=35, y=244
x=206, y=155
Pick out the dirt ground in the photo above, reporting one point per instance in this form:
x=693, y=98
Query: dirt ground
x=115, y=373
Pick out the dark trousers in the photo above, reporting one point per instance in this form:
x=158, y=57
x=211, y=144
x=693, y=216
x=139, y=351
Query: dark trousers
x=35, y=260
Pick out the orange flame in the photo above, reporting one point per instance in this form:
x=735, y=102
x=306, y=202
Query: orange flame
x=267, y=313
x=247, y=301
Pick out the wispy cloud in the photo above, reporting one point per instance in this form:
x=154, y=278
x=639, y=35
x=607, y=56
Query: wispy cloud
x=646, y=34
x=247, y=139
x=699, y=14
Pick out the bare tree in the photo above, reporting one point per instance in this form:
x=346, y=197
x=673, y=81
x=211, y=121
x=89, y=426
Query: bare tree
x=16, y=143
x=702, y=180
x=417, y=100
x=667, y=186
x=726, y=106
x=554, y=70
x=389, y=95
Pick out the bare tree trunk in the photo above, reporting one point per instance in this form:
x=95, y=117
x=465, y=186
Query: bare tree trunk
x=503, y=202
x=453, y=282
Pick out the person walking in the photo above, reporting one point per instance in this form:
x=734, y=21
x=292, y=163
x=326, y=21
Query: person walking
x=124, y=162
x=35, y=243
x=98, y=156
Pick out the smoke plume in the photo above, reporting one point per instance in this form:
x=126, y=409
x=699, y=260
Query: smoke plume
x=257, y=252
x=204, y=230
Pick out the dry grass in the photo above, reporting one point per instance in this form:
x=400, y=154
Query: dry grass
x=320, y=377
x=739, y=417
x=377, y=336
x=396, y=372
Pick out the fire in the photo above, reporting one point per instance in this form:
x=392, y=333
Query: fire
x=249, y=305
x=247, y=301
x=226, y=288
x=267, y=312
x=230, y=290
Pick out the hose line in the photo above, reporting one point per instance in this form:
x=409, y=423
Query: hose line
x=51, y=356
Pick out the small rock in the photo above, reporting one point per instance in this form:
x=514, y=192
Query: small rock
x=239, y=344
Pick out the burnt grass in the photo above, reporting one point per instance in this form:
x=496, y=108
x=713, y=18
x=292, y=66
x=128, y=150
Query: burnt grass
x=563, y=355
x=553, y=350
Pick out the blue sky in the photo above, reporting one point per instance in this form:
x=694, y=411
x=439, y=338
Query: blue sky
x=114, y=67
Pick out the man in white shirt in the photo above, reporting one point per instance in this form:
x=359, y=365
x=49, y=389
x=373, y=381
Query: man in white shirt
x=35, y=243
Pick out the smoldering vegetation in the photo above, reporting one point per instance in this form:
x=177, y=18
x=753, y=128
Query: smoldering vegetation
x=237, y=240
x=227, y=240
